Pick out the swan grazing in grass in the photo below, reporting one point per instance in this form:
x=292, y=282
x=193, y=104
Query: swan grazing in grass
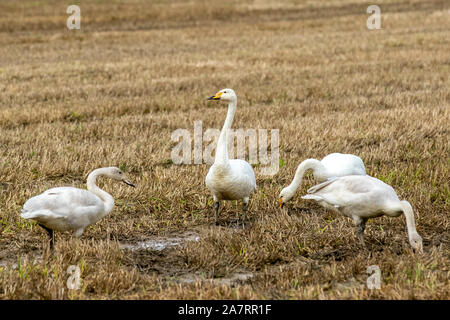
x=229, y=179
x=68, y=208
x=364, y=197
x=333, y=165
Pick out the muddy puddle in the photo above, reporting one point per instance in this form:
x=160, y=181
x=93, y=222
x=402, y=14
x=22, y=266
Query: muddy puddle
x=161, y=243
x=230, y=280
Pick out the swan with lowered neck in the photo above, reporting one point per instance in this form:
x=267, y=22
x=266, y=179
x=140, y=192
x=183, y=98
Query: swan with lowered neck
x=68, y=208
x=229, y=179
x=333, y=165
x=364, y=197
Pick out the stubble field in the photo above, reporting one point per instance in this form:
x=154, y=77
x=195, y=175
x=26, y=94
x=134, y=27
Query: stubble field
x=113, y=92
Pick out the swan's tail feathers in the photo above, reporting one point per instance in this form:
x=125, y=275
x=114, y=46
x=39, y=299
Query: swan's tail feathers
x=321, y=185
x=312, y=197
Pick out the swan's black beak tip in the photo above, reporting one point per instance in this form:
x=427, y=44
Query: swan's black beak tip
x=210, y=98
x=129, y=183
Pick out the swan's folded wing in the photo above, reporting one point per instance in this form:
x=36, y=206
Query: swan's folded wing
x=62, y=201
x=321, y=185
x=312, y=197
x=43, y=216
x=346, y=191
x=245, y=172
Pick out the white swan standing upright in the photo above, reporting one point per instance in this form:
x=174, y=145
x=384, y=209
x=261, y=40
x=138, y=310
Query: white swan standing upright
x=229, y=179
x=68, y=208
x=333, y=165
x=364, y=197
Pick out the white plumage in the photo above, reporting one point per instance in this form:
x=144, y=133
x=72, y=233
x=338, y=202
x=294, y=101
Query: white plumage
x=229, y=179
x=65, y=208
x=364, y=197
x=68, y=208
x=339, y=165
x=234, y=181
x=333, y=165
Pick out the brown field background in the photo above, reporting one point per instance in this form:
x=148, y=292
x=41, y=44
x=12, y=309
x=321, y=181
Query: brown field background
x=113, y=92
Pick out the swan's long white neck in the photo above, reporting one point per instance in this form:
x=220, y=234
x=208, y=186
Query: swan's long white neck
x=222, y=143
x=319, y=172
x=107, y=199
x=409, y=215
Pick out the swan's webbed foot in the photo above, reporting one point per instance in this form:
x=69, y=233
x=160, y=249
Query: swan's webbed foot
x=216, y=212
x=50, y=234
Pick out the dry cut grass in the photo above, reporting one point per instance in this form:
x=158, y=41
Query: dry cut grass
x=113, y=92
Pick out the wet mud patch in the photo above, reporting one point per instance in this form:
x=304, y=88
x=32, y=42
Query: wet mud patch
x=163, y=263
x=231, y=279
x=332, y=254
x=346, y=287
x=158, y=254
x=170, y=266
x=161, y=243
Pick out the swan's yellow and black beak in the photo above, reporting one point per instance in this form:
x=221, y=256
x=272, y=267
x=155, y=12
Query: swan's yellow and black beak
x=216, y=97
x=281, y=203
x=128, y=182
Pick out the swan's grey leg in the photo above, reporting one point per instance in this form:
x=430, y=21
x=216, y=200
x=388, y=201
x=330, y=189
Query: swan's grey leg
x=244, y=210
x=50, y=234
x=360, y=226
x=216, y=211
